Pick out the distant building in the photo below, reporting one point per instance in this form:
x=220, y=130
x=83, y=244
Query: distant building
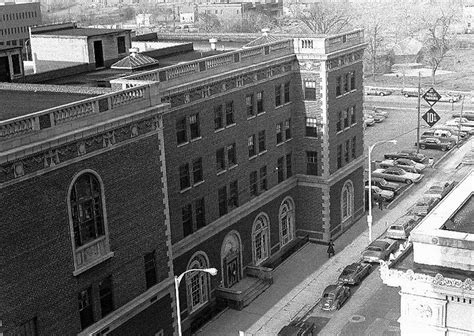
x=15, y=21
x=11, y=64
x=437, y=287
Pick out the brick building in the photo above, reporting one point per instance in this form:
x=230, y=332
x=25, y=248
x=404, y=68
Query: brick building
x=258, y=149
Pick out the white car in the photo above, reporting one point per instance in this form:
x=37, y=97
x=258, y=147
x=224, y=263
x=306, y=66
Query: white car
x=397, y=174
x=407, y=165
x=388, y=195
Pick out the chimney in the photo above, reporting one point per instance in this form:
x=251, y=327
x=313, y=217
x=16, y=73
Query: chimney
x=133, y=51
x=213, y=42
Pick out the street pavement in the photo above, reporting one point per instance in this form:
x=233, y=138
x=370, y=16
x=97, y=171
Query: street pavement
x=300, y=280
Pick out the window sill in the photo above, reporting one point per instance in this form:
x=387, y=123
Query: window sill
x=339, y=132
x=280, y=143
x=231, y=125
x=183, y=144
x=260, y=113
x=221, y=172
x=251, y=117
x=253, y=157
x=196, y=139
x=288, y=140
x=182, y=191
x=94, y=263
x=262, y=152
x=219, y=130
x=198, y=183
x=233, y=166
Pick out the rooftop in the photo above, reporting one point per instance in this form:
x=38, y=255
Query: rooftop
x=81, y=32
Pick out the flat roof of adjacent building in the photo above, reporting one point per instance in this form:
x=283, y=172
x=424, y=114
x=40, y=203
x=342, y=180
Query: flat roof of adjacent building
x=81, y=32
x=20, y=103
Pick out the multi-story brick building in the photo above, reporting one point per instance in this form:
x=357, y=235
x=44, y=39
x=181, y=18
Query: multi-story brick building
x=257, y=149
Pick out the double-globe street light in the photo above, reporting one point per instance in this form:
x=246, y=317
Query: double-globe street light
x=177, y=280
x=369, y=216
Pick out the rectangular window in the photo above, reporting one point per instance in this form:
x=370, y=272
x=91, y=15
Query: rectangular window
x=220, y=160
x=289, y=170
x=181, y=136
x=277, y=95
x=85, y=307
x=29, y=328
x=218, y=117
x=249, y=105
x=347, y=150
x=233, y=194
x=231, y=155
x=260, y=102
x=261, y=142
x=309, y=90
x=287, y=92
x=251, y=146
x=197, y=170
x=338, y=86
x=346, y=82
x=263, y=178
x=346, y=118
x=352, y=115
x=184, y=179
x=288, y=129
x=253, y=184
x=187, y=219
x=194, y=126
x=353, y=80
x=353, y=147
x=222, y=200
x=311, y=127
x=150, y=269
x=311, y=163
x=106, y=296
x=229, y=113
x=121, y=45
x=280, y=169
x=279, y=132
x=339, y=122
x=200, y=213
x=339, y=156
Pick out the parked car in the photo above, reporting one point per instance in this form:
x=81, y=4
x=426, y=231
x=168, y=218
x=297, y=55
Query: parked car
x=461, y=124
x=381, y=112
x=384, y=184
x=377, y=91
x=407, y=154
x=440, y=189
x=424, y=205
x=469, y=115
x=368, y=120
x=354, y=273
x=412, y=92
x=464, y=121
x=387, y=195
x=380, y=249
x=436, y=143
x=401, y=228
x=334, y=296
x=453, y=129
x=297, y=328
x=450, y=97
x=378, y=118
x=397, y=174
x=407, y=165
x=442, y=134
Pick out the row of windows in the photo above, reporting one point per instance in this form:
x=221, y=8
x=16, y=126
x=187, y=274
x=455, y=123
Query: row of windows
x=194, y=213
x=188, y=128
x=346, y=118
x=348, y=150
x=345, y=83
x=13, y=30
x=18, y=16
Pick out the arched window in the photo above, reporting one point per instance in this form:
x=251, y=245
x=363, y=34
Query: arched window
x=88, y=221
x=347, y=201
x=287, y=220
x=260, y=239
x=197, y=283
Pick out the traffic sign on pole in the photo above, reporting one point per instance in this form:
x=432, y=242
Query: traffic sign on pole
x=431, y=117
x=431, y=96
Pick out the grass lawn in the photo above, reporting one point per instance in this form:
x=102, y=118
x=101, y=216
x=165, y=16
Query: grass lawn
x=460, y=62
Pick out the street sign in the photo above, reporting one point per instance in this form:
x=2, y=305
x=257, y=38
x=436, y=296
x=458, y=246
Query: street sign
x=431, y=117
x=431, y=96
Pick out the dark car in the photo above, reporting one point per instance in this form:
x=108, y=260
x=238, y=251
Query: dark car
x=297, y=328
x=354, y=273
x=379, y=250
x=407, y=154
x=334, y=297
x=436, y=143
x=384, y=184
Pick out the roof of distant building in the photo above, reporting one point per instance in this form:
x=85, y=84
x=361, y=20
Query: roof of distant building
x=81, y=32
x=264, y=39
x=135, y=61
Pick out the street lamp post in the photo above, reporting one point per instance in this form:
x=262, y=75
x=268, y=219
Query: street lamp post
x=369, y=216
x=177, y=280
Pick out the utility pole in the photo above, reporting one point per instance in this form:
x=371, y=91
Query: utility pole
x=419, y=112
x=460, y=118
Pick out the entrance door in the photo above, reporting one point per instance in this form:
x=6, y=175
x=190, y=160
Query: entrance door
x=4, y=70
x=232, y=275
x=99, y=54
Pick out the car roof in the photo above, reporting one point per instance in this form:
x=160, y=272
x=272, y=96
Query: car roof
x=380, y=243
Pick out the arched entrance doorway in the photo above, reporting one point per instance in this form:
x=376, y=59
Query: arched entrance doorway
x=231, y=259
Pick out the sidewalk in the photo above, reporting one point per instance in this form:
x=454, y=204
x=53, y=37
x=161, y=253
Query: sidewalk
x=300, y=280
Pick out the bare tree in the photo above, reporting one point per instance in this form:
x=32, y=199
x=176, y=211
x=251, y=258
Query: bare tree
x=251, y=22
x=208, y=23
x=325, y=17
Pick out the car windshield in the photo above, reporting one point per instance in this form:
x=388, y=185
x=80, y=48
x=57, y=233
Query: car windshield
x=396, y=228
x=329, y=295
x=374, y=249
x=347, y=271
x=383, y=182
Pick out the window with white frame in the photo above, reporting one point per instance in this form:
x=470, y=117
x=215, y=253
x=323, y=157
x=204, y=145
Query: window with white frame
x=347, y=201
x=260, y=240
x=286, y=222
x=197, y=283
